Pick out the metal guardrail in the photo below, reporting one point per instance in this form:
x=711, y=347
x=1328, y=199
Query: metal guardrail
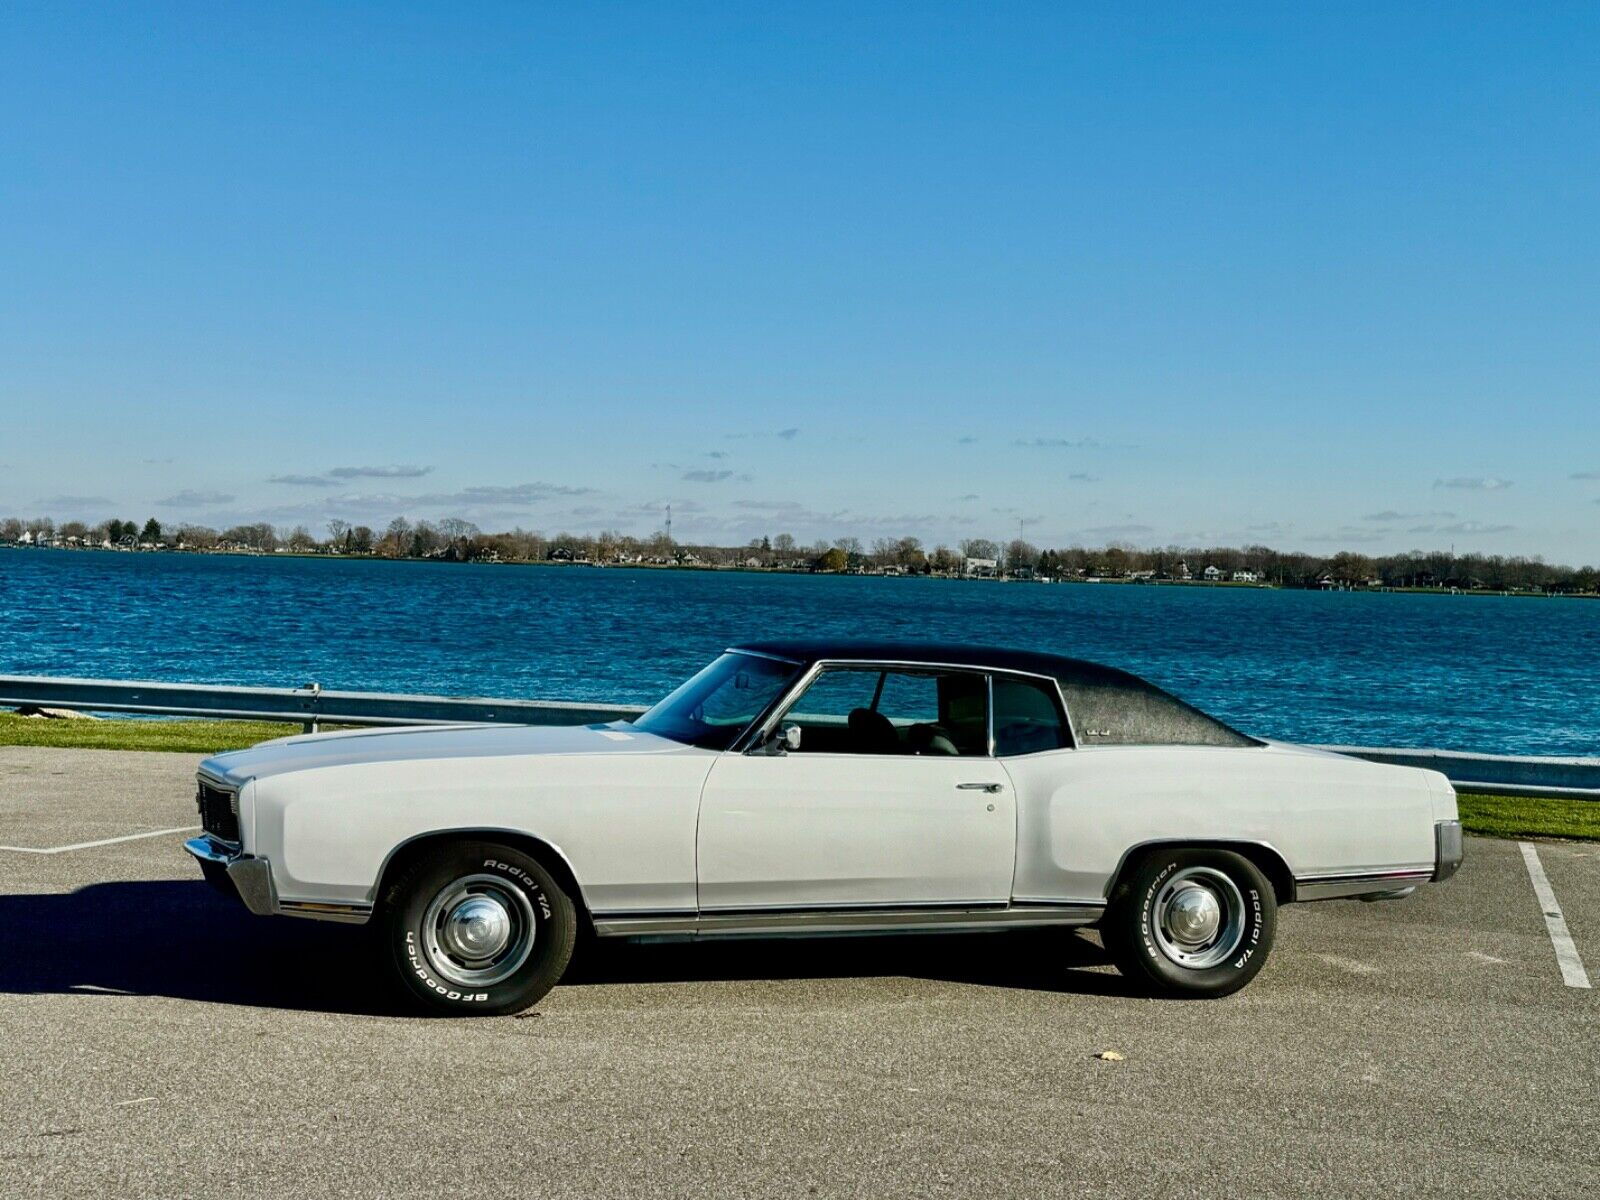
x=1515, y=775
x=311, y=705
x=1501, y=774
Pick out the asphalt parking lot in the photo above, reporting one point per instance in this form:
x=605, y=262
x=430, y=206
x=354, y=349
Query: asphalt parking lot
x=157, y=1040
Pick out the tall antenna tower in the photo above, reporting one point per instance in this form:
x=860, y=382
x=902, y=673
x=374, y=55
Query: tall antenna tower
x=669, y=524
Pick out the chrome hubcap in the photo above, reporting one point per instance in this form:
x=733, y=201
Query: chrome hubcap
x=478, y=930
x=1198, y=918
x=1193, y=915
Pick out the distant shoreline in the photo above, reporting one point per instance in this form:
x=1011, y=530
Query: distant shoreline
x=745, y=568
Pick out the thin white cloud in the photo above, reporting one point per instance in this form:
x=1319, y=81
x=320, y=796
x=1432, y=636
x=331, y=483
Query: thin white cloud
x=69, y=501
x=1462, y=527
x=1474, y=483
x=1111, y=531
x=517, y=495
x=394, y=471
x=189, y=498
x=1390, y=515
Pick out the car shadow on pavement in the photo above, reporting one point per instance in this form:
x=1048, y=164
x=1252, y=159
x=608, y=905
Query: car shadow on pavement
x=181, y=938
x=184, y=940
x=1034, y=960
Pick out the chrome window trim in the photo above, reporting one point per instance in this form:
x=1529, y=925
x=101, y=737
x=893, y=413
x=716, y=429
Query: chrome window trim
x=754, y=738
x=988, y=704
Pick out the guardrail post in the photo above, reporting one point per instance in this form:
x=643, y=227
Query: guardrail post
x=312, y=726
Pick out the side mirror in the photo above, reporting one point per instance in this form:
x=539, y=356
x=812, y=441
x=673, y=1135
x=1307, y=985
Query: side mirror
x=786, y=738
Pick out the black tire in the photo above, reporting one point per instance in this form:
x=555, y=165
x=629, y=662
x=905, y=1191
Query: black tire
x=1150, y=951
x=507, y=889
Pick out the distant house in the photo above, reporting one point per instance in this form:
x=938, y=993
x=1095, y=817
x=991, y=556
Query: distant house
x=26, y=539
x=1247, y=577
x=1182, y=571
x=980, y=568
x=1213, y=574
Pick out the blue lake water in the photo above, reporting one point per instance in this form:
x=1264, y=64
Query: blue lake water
x=1496, y=674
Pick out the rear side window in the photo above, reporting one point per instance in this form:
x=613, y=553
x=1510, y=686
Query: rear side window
x=1130, y=712
x=1027, y=717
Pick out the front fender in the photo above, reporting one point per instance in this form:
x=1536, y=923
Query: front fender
x=625, y=825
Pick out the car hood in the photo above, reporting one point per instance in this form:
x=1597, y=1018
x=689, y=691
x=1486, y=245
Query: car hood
x=317, y=750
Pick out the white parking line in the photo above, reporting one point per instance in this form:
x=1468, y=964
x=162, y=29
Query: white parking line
x=132, y=837
x=1572, y=972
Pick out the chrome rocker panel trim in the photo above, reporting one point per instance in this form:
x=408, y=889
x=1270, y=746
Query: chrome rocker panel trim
x=1378, y=885
x=810, y=922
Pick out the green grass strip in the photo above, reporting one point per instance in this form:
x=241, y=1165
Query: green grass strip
x=184, y=737
x=1519, y=816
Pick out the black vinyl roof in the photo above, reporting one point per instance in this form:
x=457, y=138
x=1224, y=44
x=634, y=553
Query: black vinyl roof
x=953, y=654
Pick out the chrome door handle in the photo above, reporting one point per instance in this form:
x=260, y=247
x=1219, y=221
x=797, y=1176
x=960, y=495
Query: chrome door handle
x=981, y=787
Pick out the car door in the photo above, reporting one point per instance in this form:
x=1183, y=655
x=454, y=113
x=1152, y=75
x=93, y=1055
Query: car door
x=891, y=799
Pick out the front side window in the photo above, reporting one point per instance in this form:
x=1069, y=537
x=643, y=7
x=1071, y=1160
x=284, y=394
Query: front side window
x=873, y=710
x=718, y=704
x=1027, y=717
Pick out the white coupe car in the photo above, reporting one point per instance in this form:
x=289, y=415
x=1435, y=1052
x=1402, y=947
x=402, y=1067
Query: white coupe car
x=821, y=787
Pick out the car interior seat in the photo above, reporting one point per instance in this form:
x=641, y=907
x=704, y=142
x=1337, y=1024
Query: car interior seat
x=872, y=733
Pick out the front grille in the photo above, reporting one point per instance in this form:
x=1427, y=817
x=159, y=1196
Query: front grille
x=219, y=812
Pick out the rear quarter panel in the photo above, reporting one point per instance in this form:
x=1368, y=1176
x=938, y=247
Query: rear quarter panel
x=1080, y=811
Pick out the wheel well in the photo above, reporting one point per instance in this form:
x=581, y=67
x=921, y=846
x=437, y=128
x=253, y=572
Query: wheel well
x=546, y=855
x=1266, y=860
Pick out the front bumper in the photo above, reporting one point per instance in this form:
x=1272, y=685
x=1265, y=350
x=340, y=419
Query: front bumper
x=250, y=877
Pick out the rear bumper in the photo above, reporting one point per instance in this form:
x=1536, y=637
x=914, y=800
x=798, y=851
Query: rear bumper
x=1448, y=850
x=249, y=876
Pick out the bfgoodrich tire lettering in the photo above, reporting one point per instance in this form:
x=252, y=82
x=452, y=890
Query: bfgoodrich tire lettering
x=1191, y=921
x=477, y=929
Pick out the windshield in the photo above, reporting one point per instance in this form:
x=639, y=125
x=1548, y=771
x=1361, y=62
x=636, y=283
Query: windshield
x=712, y=709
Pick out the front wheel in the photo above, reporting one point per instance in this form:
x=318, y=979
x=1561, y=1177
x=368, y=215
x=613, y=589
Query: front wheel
x=1192, y=922
x=477, y=929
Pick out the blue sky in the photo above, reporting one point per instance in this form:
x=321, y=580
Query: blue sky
x=1320, y=277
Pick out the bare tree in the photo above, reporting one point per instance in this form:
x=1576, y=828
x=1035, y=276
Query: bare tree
x=396, y=542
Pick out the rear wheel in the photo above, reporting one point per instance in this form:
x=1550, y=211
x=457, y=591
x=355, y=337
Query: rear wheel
x=477, y=928
x=1191, y=922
